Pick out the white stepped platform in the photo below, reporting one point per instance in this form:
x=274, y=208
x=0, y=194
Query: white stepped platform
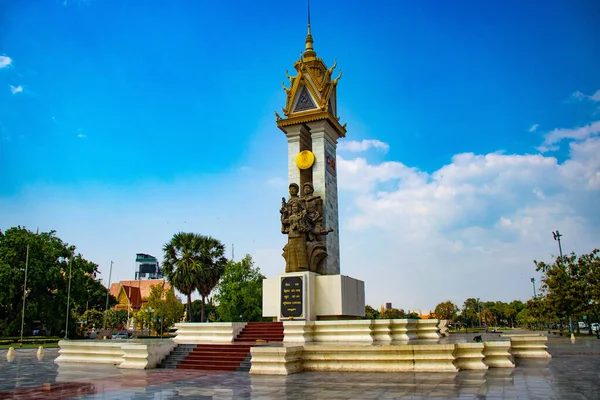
x=207, y=332
x=528, y=345
x=131, y=354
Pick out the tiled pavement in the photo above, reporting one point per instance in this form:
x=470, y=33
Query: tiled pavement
x=572, y=373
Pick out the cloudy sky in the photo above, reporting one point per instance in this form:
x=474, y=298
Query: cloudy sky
x=473, y=133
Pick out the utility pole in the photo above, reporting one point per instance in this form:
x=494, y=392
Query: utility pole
x=24, y=294
x=68, y=300
x=557, y=237
x=107, y=294
x=534, y=293
x=479, y=311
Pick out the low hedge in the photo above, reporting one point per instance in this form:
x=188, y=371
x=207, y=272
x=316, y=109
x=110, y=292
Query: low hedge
x=30, y=340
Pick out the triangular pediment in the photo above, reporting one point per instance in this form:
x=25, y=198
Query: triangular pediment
x=304, y=101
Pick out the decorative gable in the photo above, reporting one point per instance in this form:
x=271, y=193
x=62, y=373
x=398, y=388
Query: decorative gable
x=304, y=101
x=311, y=93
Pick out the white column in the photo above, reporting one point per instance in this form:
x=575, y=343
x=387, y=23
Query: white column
x=324, y=143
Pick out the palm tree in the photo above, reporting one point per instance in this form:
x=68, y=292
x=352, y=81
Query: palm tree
x=213, y=263
x=181, y=264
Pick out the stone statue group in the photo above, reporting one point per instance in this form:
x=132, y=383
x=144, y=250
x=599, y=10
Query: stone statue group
x=302, y=221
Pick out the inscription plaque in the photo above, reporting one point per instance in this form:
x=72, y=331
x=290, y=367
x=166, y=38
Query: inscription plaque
x=292, y=300
x=330, y=163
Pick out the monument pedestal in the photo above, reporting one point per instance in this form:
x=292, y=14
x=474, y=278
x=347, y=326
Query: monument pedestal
x=309, y=296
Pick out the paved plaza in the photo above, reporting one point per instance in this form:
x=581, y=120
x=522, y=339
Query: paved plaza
x=572, y=373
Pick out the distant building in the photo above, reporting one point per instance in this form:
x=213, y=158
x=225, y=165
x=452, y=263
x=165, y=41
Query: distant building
x=147, y=267
x=133, y=295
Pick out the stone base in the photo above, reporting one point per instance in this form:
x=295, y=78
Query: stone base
x=325, y=297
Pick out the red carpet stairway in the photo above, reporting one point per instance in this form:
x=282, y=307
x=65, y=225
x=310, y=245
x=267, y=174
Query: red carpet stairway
x=225, y=357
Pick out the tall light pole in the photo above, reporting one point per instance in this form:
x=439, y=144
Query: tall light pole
x=534, y=293
x=557, y=237
x=150, y=310
x=68, y=300
x=24, y=294
x=107, y=294
x=479, y=311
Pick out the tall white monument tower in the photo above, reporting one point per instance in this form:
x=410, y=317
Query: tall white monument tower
x=312, y=128
x=312, y=287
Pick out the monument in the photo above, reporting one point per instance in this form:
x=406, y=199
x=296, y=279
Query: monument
x=312, y=287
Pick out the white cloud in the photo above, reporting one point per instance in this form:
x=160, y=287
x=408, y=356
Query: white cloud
x=16, y=89
x=364, y=145
x=5, y=61
x=582, y=96
x=359, y=176
x=469, y=229
x=579, y=133
x=534, y=127
x=81, y=135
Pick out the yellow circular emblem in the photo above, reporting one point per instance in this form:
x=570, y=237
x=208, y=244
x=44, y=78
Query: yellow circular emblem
x=305, y=159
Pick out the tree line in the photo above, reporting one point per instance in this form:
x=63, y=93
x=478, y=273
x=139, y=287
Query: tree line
x=569, y=293
x=192, y=263
x=50, y=264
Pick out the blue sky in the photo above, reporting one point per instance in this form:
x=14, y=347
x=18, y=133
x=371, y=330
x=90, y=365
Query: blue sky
x=122, y=123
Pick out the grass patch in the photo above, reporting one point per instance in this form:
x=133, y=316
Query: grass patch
x=29, y=346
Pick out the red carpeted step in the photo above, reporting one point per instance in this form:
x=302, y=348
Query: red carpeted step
x=228, y=357
x=254, y=331
x=208, y=367
x=222, y=357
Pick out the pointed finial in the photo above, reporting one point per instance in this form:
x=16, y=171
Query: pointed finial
x=309, y=52
x=308, y=17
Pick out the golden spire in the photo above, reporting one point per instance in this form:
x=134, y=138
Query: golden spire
x=309, y=52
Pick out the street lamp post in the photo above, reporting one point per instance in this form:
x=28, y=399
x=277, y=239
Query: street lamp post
x=107, y=294
x=557, y=237
x=534, y=293
x=68, y=301
x=150, y=310
x=479, y=311
x=24, y=294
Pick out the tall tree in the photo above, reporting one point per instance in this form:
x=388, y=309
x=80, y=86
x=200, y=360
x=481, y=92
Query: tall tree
x=446, y=310
x=570, y=286
x=212, y=267
x=471, y=312
x=182, y=264
x=393, y=313
x=371, y=313
x=50, y=266
x=165, y=308
x=239, y=293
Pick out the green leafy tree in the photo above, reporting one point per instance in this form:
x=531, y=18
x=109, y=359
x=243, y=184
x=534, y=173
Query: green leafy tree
x=213, y=263
x=371, y=313
x=193, y=261
x=181, y=264
x=393, y=313
x=116, y=319
x=412, y=315
x=470, y=314
x=210, y=309
x=446, y=310
x=570, y=286
x=51, y=264
x=239, y=293
x=92, y=318
x=162, y=309
x=511, y=311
